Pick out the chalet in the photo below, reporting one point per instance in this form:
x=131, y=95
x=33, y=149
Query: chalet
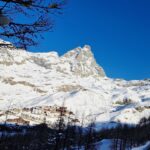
x=18, y=121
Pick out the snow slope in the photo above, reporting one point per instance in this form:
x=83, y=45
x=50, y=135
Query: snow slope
x=75, y=80
x=146, y=146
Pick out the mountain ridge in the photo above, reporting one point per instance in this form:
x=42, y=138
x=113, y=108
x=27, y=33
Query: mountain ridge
x=75, y=79
x=80, y=59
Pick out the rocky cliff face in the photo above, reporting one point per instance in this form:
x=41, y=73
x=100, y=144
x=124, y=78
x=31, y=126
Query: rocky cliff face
x=35, y=80
x=82, y=62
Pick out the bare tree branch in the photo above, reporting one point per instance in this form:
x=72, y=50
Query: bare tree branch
x=35, y=18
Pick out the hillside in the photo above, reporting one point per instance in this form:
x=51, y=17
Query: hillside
x=75, y=80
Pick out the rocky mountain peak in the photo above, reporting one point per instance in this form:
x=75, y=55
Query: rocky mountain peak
x=82, y=62
x=82, y=52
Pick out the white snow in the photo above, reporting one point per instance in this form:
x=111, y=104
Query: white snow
x=34, y=79
x=105, y=144
x=146, y=146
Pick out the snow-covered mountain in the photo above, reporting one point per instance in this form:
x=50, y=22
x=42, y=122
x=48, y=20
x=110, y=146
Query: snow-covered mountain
x=37, y=80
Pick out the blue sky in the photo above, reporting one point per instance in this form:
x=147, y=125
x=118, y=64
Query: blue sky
x=117, y=30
